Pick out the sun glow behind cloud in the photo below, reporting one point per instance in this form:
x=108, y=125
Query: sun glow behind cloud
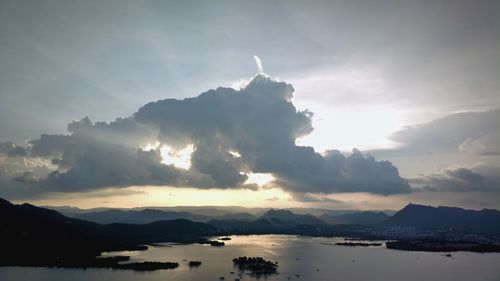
x=139, y=196
x=178, y=158
x=350, y=108
x=259, y=179
x=351, y=127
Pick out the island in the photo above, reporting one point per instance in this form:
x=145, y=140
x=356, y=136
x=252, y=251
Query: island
x=212, y=243
x=442, y=246
x=147, y=266
x=358, y=244
x=194, y=263
x=256, y=265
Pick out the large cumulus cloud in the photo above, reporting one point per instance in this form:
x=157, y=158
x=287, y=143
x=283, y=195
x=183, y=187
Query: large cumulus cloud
x=233, y=132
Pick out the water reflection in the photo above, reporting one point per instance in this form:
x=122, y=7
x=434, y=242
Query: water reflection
x=299, y=258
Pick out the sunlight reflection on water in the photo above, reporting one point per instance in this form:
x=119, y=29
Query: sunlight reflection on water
x=311, y=258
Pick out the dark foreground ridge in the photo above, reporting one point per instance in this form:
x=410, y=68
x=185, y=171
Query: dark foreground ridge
x=115, y=262
x=32, y=236
x=256, y=265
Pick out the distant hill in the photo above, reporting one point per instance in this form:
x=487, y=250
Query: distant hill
x=137, y=217
x=426, y=217
x=288, y=218
x=272, y=221
x=361, y=218
x=293, y=216
x=236, y=216
x=213, y=212
x=151, y=215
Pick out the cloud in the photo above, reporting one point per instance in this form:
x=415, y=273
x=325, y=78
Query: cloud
x=12, y=150
x=19, y=174
x=314, y=198
x=461, y=179
x=258, y=62
x=466, y=138
x=233, y=133
x=273, y=199
x=488, y=144
x=335, y=172
x=471, y=132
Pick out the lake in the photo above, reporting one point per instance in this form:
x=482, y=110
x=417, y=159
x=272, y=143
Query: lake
x=311, y=258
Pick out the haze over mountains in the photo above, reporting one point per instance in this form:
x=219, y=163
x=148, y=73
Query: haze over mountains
x=26, y=226
x=363, y=218
x=205, y=214
x=413, y=215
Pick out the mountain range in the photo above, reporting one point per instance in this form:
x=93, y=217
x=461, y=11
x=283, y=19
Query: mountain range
x=413, y=215
x=206, y=214
x=31, y=235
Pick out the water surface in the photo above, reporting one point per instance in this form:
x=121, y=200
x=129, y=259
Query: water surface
x=310, y=258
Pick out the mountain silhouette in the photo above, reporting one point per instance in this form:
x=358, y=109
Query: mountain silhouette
x=288, y=218
x=151, y=215
x=137, y=216
x=450, y=218
x=36, y=236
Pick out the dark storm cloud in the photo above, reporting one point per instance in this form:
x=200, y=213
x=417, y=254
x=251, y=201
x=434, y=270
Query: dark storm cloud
x=259, y=122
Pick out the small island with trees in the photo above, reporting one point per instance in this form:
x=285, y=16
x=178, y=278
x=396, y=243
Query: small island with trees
x=213, y=243
x=256, y=265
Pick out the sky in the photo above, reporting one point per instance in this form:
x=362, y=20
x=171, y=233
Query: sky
x=331, y=104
